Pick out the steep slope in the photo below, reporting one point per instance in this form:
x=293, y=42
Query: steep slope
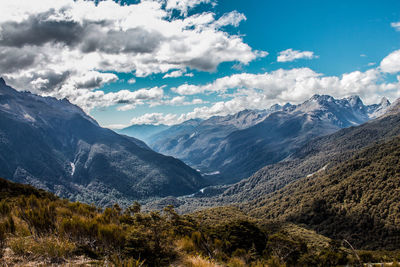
x=358, y=200
x=54, y=145
x=143, y=131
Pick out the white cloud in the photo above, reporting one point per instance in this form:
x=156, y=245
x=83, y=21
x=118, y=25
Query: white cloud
x=259, y=91
x=132, y=81
x=395, y=25
x=93, y=79
x=155, y=118
x=185, y=5
x=291, y=55
x=188, y=89
x=177, y=101
x=50, y=47
x=391, y=63
x=116, y=126
x=173, y=74
x=92, y=99
x=232, y=18
x=178, y=73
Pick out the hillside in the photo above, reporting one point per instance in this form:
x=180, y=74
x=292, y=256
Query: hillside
x=326, y=151
x=357, y=200
x=54, y=145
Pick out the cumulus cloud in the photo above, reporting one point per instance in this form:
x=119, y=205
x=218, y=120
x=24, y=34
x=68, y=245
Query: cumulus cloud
x=395, y=25
x=128, y=98
x=177, y=101
x=292, y=55
x=173, y=74
x=178, y=73
x=232, y=18
x=93, y=79
x=155, y=118
x=51, y=47
x=391, y=63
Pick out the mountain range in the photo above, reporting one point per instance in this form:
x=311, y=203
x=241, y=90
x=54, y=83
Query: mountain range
x=54, y=145
x=316, y=156
x=229, y=148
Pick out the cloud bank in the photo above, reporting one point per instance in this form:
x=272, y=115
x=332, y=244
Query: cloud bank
x=67, y=48
x=260, y=91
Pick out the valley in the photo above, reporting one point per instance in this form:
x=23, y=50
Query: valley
x=199, y=133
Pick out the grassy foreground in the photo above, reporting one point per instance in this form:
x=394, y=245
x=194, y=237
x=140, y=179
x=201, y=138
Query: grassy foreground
x=37, y=228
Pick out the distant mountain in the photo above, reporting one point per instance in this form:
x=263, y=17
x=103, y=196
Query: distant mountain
x=142, y=131
x=377, y=110
x=236, y=146
x=54, y=145
x=176, y=130
x=196, y=141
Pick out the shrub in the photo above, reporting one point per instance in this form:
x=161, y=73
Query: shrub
x=2, y=239
x=284, y=248
x=4, y=208
x=45, y=247
x=116, y=260
x=40, y=215
x=81, y=230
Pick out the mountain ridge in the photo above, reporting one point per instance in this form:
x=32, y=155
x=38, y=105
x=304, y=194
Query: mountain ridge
x=54, y=145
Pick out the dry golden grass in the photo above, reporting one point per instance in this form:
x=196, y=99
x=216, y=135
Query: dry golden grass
x=197, y=261
x=185, y=245
x=236, y=262
x=44, y=247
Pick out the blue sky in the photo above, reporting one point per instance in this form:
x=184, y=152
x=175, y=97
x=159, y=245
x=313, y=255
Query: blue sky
x=343, y=48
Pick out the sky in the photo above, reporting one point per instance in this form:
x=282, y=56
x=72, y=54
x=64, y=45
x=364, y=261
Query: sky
x=167, y=61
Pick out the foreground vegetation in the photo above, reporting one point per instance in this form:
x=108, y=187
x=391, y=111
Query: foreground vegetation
x=37, y=226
